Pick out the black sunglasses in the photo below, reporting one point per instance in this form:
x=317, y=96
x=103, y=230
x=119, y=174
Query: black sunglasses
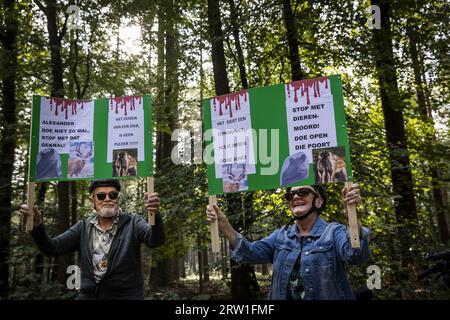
x=299, y=192
x=102, y=195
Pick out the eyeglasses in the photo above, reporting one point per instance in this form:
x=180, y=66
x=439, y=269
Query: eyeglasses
x=304, y=192
x=102, y=195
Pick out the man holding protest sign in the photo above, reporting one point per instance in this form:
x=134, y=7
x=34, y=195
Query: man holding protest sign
x=308, y=257
x=108, y=243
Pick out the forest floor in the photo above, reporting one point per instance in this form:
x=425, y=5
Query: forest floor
x=215, y=289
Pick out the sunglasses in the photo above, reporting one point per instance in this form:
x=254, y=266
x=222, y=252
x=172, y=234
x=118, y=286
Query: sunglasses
x=299, y=192
x=102, y=195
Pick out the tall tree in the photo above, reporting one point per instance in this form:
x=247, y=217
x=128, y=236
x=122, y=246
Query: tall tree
x=243, y=280
x=55, y=38
x=9, y=25
x=292, y=40
x=392, y=105
x=237, y=43
x=438, y=189
x=166, y=269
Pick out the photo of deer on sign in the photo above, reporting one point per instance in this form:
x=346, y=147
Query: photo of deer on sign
x=125, y=162
x=81, y=160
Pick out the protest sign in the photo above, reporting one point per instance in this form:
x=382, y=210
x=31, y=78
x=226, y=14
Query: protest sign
x=283, y=135
x=91, y=139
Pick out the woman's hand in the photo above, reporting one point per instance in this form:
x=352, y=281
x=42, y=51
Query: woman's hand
x=350, y=195
x=214, y=213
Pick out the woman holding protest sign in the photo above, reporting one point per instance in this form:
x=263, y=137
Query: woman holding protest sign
x=308, y=257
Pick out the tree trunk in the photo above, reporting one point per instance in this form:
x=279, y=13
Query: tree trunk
x=221, y=83
x=242, y=275
x=292, y=40
x=237, y=42
x=167, y=103
x=405, y=205
x=58, y=91
x=74, y=203
x=244, y=285
x=159, y=99
x=182, y=264
x=171, y=85
x=205, y=264
x=55, y=50
x=439, y=191
x=200, y=271
x=160, y=274
x=8, y=34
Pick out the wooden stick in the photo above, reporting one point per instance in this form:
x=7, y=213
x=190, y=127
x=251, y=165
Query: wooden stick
x=353, y=222
x=30, y=202
x=150, y=189
x=215, y=245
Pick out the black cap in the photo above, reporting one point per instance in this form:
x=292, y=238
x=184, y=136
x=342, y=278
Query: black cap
x=104, y=183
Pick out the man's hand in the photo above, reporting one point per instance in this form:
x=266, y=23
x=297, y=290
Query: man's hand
x=25, y=212
x=350, y=195
x=152, y=202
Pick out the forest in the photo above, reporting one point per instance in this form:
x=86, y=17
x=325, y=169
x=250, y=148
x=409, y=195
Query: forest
x=394, y=61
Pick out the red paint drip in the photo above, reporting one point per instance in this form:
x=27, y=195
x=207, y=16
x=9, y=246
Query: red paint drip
x=227, y=99
x=304, y=86
x=62, y=105
x=124, y=103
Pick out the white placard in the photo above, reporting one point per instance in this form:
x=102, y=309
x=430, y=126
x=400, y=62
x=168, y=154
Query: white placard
x=310, y=116
x=126, y=125
x=232, y=134
x=63, y=122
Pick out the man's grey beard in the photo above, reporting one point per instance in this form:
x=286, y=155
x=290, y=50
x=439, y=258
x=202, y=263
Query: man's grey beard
x=107, y=212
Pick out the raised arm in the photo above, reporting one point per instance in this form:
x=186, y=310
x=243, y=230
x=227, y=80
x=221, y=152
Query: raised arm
x=152, y=236
x=243, y=251
x=66, y=242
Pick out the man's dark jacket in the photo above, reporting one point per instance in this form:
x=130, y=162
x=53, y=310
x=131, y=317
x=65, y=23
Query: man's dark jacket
x=123, y=278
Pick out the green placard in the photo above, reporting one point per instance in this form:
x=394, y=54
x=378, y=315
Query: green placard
x=283, y=135
x=91, y=139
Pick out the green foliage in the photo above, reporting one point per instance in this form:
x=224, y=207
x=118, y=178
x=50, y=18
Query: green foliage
x=333, y=39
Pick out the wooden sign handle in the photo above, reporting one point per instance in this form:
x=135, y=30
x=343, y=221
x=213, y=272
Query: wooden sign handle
x=215, y=245
x=150, y=189
x=30, y=202
x=353, y=222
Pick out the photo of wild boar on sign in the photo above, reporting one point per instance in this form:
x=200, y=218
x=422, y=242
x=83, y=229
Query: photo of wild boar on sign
x=125, y=162
x=295, y=168
x=48, y=164
x=330, y=165
x=81, y=160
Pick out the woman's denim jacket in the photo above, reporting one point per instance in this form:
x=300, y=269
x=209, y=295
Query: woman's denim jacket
x=324, y=254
